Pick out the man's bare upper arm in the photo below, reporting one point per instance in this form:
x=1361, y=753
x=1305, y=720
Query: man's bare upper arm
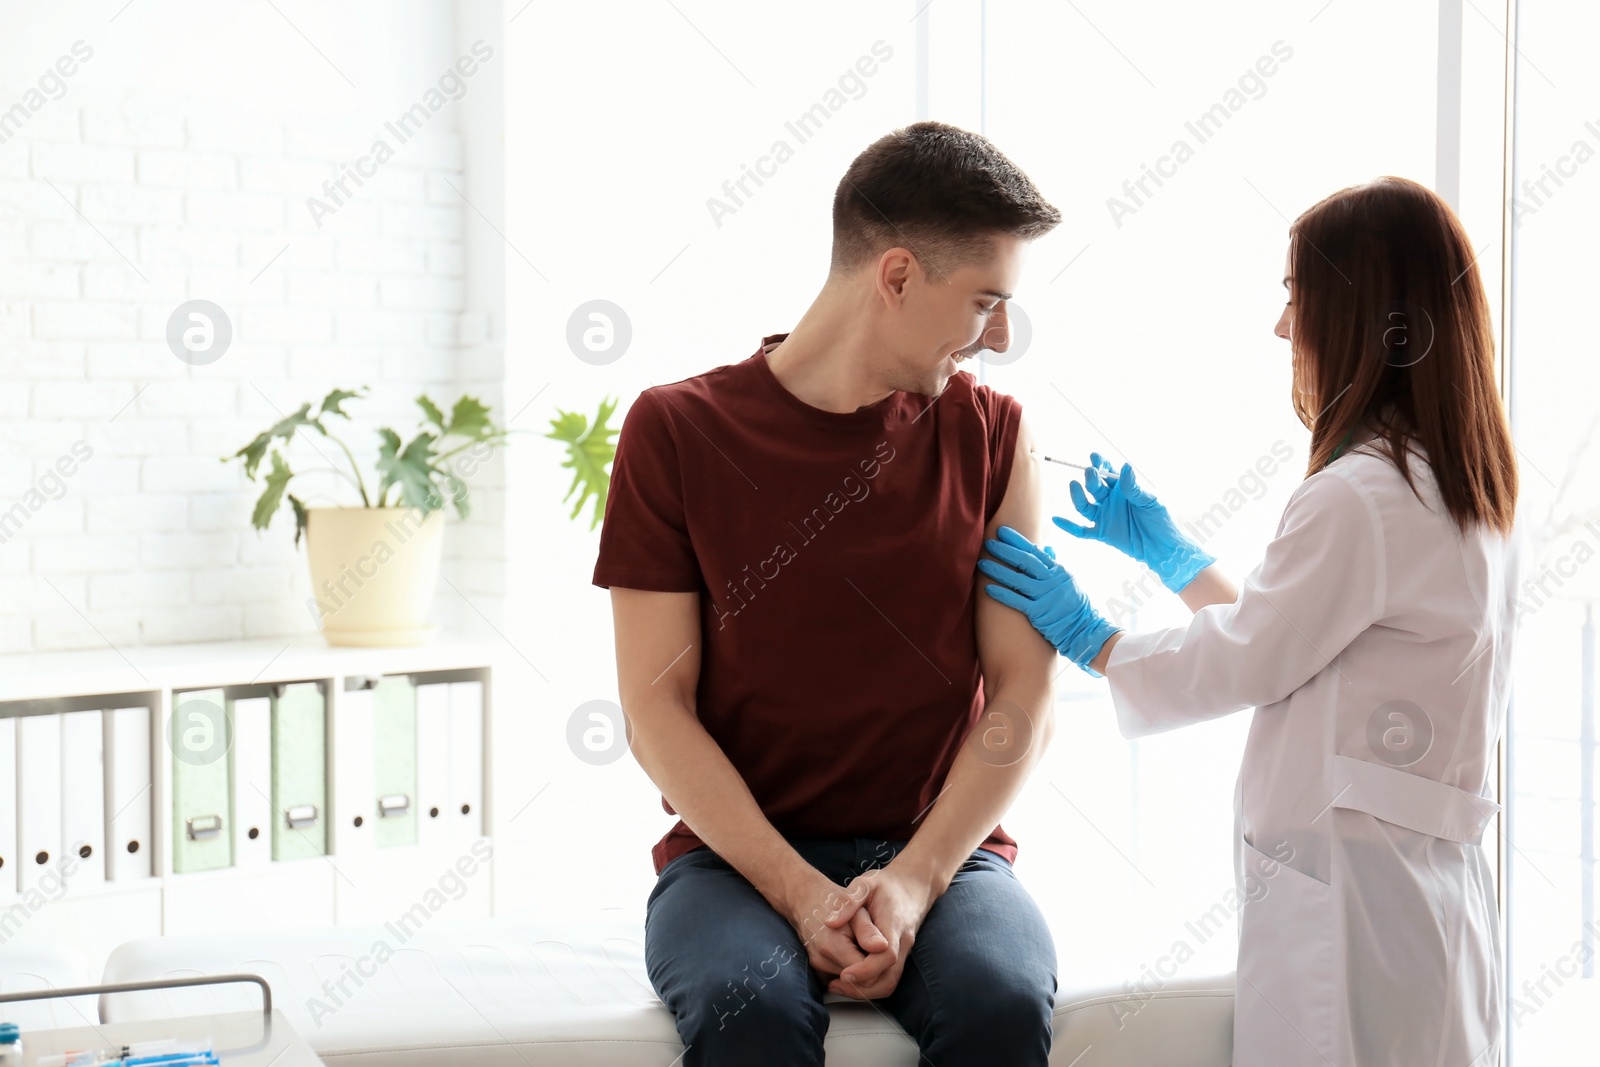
x=658, y=646
x=1010, y=650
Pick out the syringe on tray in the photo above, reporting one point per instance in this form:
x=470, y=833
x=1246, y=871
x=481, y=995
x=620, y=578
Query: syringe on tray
x=166, y=1052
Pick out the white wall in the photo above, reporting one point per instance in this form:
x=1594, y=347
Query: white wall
x=160, y=172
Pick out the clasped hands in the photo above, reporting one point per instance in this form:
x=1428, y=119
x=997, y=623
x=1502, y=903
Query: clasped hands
x=858, y=937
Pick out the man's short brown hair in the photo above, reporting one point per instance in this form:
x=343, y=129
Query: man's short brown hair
x=937, y=190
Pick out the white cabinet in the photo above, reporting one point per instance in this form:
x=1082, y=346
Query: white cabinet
x=118, y=797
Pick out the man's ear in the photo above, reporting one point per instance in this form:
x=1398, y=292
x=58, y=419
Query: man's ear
x=897, y=268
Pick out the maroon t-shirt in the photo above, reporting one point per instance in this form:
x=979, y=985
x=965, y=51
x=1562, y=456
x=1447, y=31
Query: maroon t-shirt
x=835, y=556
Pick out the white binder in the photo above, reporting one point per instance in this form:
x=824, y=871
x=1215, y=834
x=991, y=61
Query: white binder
x=83, y=798
x=434, y=824
x=8, y=807
x=128, y=794
x=252, y=781
x=466, y=760
x=39, y=803
x=353, y=789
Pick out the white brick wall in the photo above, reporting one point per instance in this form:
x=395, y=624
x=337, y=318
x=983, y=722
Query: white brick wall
x=110, y=216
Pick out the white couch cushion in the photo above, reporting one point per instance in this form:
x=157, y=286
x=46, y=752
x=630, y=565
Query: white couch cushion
x=514, y=993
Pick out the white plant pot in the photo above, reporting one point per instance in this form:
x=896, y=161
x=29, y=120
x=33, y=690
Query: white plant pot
x=373, y=573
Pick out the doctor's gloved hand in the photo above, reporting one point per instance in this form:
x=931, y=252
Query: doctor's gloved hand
x=1033, y=583
x=1128, y=517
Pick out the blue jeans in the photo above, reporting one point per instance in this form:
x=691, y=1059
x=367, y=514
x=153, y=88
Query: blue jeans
x=977, y=989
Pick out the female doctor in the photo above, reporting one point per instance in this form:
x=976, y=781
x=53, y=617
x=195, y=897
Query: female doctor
x=1374, y=642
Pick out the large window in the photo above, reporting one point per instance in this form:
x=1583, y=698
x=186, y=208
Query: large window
x=1179, y=158
x=1555, y=389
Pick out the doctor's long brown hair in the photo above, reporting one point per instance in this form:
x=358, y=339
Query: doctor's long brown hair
x=1391, y=332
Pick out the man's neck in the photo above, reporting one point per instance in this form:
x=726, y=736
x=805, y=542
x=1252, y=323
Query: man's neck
x=828, y=358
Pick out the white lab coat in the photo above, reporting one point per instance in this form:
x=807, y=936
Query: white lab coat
x=1370, y=625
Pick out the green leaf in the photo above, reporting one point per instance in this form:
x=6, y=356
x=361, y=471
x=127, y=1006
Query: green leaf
x=470, y=418
x=299, y=518
x=284, y=428
x=589, y=450
x=431, y=413
x=272, y=495
x=456, y=490
x=331, y=402
x=410, y=468
x=388, y=450
x=569, y=426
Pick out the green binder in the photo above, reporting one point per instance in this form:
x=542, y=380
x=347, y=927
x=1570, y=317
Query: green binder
x=199, y=736
x=299, y=772
x=394, y=739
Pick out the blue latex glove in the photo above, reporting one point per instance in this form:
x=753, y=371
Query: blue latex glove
x=1129, y=518
x=1039, y=587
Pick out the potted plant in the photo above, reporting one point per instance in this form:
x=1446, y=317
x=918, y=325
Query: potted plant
x=374, y=568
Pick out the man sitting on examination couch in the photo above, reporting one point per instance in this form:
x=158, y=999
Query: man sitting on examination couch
x=803, y=653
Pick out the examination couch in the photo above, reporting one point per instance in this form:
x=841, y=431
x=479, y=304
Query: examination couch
x=513, y=993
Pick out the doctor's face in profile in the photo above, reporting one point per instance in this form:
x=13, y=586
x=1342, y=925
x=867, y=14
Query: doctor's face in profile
x=1285, y=326
x=1300, y=378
